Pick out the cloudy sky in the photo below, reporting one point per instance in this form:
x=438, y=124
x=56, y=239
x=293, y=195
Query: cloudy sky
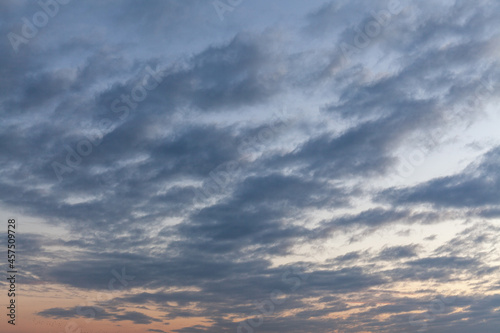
x=251, y=165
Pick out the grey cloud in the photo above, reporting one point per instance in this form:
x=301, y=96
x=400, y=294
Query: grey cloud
x=477, y=186
x=398, y=252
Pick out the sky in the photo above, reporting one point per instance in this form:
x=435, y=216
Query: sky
x=251, y=165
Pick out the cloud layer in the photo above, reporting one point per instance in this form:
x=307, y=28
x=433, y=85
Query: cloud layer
x=259, y=173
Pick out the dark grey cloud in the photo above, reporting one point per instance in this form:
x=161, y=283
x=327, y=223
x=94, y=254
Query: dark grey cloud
x=136, y=318
x=398, y=252
x=97, y=313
